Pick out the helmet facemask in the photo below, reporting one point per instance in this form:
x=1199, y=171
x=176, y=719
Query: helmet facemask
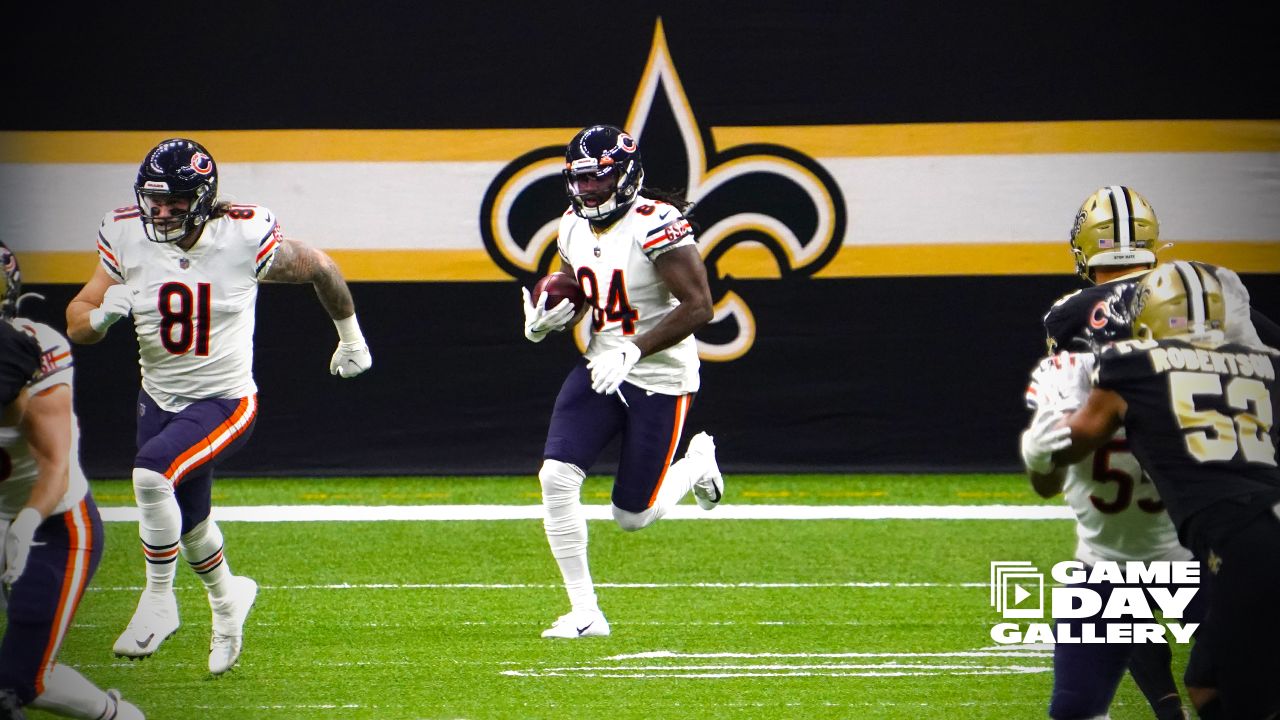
x=602, y=153
x=600, y=200
x=11, y=295
x=176, y=225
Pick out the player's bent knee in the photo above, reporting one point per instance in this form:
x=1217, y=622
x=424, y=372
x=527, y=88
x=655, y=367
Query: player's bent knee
x=150, y=486
x=631, y=522
x=560, y=480
x=197, y=530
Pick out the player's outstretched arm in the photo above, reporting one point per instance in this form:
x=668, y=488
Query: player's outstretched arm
x=99, y=304
x=297, y=262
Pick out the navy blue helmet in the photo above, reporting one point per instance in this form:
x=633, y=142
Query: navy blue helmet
x=177, y=168
x=603, y=152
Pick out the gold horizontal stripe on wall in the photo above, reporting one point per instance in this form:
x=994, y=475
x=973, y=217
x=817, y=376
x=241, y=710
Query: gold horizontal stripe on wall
x=502, y=145
x=743, y=261
x=1095, y=136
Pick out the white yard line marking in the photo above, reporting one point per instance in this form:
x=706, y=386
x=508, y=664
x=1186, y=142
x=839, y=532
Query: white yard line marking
x=1024, y=661
x=376, y=513
x=966, y=654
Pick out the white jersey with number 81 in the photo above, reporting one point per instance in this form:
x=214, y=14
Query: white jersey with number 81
x=193, y=310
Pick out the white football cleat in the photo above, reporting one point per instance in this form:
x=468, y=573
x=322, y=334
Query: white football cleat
x=229, y=615
x=155, y=620
x=708, y=490
x=124, y=710
x=578, y=624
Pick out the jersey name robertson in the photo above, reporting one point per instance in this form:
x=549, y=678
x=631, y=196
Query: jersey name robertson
x=18, y=470
x=1201, y=421
x=628, y=297
x=193, y=310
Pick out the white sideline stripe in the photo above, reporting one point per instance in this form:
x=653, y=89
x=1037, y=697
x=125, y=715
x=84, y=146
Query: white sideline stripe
x=664, y=654
x=700, y=672
x=550, y=586
x=375, y=513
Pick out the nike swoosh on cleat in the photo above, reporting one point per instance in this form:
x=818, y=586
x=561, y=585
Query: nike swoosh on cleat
x=719, y=495
x=584, y=628
x=142, y=644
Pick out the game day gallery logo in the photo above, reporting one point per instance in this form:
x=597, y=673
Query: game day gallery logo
x=1081, y=608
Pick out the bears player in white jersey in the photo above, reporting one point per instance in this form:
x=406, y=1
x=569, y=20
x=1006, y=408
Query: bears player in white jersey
x=634, y=256
x=187, y=266
x=1119, y=515
x=50, y=531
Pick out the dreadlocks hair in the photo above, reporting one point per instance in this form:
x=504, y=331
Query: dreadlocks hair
x=674, y=198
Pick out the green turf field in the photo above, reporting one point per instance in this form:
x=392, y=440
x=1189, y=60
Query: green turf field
x=724, y=619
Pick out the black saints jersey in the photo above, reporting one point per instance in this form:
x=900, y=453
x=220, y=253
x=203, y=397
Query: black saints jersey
x=1200, y=421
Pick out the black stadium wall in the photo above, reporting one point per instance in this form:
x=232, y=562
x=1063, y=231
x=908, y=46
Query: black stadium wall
x=911, y=358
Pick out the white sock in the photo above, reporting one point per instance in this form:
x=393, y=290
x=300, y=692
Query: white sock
x=675, y=485
x=566, y=528
x=159, y=527
x=70, y=694
x=202, y=549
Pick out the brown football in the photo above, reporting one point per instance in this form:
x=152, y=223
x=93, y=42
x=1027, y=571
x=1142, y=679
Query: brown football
x=561, y=286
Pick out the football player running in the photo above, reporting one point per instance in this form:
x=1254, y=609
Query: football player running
x=634, y=255
x=1119, y=514
x=187, y=265
x=1199, y=415
x=50, y=530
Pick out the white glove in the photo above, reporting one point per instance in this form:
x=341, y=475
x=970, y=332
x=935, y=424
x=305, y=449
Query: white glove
x=610, y=369
x=352, y=356
x=17, y=544
x=117, y=303
x=1061, y=382
x=350, y=359
x=538, y=320
x=1042, y=439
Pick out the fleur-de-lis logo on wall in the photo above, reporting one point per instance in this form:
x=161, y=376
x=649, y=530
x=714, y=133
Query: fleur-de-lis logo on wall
x=765, y=195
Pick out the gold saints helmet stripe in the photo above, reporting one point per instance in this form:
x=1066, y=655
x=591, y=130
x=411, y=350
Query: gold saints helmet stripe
x=1122, y=211
x=1197, y=296
x=1180, y=299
